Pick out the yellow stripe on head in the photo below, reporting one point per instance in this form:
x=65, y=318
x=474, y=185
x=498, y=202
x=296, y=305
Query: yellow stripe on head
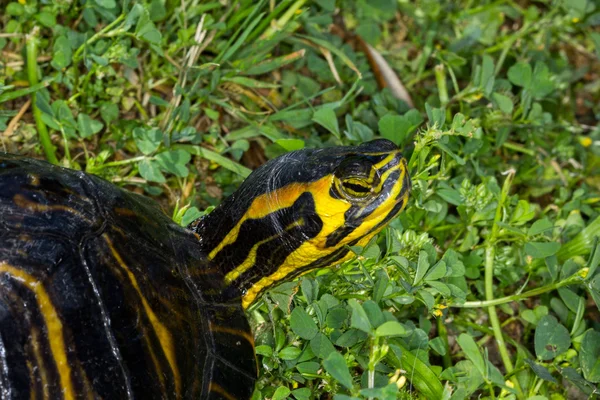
x=301, y=212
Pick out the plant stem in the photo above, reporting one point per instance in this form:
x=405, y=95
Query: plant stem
x=440, y=78
x=122, y=162
x=372, y=364
x=443, y=333
x=490, y=253
x=32, y=49
x=285, y=18
x=97, y=36
x=518, y=297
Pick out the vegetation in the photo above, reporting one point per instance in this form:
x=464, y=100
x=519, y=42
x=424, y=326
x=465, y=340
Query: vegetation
x=487, y=286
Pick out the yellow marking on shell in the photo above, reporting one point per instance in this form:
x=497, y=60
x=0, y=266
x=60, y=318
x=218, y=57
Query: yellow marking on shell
x=32, y=393
x=251, y=259
x=315, y=248
x=37, y=354
x=34, y=180
x=23, y=202
x=330, y=208
x=163, y=334
x=156, y=363
x=53, y=325
x=232, y=331
x=213, y=387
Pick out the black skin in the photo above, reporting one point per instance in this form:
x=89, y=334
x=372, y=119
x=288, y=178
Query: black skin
x=57, y=227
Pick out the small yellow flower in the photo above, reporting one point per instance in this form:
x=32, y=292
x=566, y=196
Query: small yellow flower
x=438, y=313
x=583, y=272
x=22, y=2
x=575, y=20
x=398, y=378
x=585, y=141
x=401, y=382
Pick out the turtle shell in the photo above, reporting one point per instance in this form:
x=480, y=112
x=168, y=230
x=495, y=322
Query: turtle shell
x=103, y=296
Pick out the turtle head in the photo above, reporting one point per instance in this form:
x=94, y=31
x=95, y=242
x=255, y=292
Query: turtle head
x=301, y=211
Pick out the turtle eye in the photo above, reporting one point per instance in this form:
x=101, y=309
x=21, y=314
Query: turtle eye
x=355, y=187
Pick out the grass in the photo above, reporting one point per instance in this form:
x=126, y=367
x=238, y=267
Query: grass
x=487, y=286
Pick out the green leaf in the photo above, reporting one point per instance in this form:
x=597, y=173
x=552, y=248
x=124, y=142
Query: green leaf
x=133, y=16
x=590, y=356
x=291, y=144
x=309, y=367
x=380, y=286
x=326, y=118
x=542, y=85
x=487, y=75
x=321, y=346
x=61, y=53
x=422, y=267
x=420, y=374
x=373, y=312
x=15, y=9
x=302, y=393
x=440, y=287
x=174, y=161
x=540, y=226
x=302, y=324
x=87, y=126
x=147, y=140
x=336, y=317
x=106, y=3
x=551, y=338
x=387, y=392
x=437, y=117
x=594, y=260
x=190, y=215
x=47, y=19
x=264, y=350
x=503, y=102
x=450, y=195
x=289, y=353
x=541, y=249
x=359, y=319
x=438, y=271
x=336, y=366
x=395, y=128
x=281, y=393
x=109, y=112
x=350, y=338
x=468, y=345
x=390, y=328
x=541, y=371
x=146, y=30
x=520, y=74
x=437, y=344
x=150, y=171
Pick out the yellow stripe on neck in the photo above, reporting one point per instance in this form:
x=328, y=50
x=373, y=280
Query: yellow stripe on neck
x=270, y=202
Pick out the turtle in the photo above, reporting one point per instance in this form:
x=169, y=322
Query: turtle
x=103, y=296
